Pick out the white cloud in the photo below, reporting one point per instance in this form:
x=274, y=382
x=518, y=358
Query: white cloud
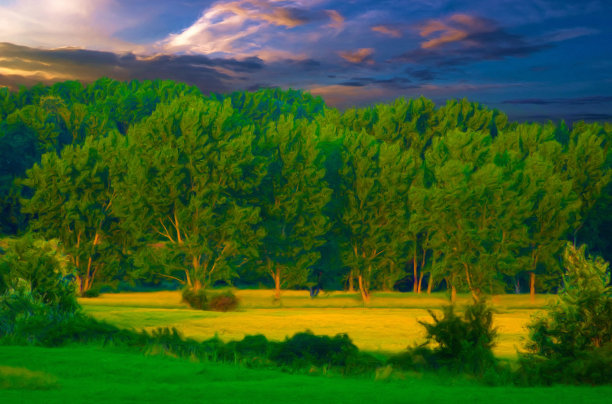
x=61, y=23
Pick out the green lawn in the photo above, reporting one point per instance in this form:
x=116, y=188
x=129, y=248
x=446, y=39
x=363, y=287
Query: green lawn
x=388, y=324
x=87, y=374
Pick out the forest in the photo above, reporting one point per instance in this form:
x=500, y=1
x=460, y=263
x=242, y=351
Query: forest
x=120, y=198
x=153, y=183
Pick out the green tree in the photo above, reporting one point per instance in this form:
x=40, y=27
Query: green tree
x=189, y=175
x=375, y=184
x=72, y=196
x=292, y=197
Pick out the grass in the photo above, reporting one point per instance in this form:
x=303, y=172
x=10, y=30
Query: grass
x=95, y=375
x=388, y=324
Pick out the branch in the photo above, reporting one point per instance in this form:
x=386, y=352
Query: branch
x=171, y=277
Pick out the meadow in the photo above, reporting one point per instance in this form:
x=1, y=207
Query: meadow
x=77, y=374
x=90, y=373
x=388, y=324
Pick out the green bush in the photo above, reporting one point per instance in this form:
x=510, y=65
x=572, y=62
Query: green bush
x=460, y=344
x=572, y=342
x=225, y=301
x=34, y=267
x=306, y=349
x=196, y=299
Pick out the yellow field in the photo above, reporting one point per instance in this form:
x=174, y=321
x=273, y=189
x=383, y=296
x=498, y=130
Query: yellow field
x=388, y=324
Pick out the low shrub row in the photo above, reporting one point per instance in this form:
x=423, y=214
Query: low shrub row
x=198, y=299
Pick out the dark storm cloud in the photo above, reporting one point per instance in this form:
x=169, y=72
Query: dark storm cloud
x=395, y=82
x=209, y=74
x=592, y=100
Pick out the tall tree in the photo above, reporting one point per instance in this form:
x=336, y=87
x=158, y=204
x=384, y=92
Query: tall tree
x=375, y=184
x=72, y=199
x=192, y=168
x=292, y=197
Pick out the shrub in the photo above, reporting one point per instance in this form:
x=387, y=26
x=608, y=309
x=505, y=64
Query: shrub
x=34, y=267
x=225, y=301
x=196, y=299
x=461, y=344
x=572, y=342
x=306, y=349
x=90, y=293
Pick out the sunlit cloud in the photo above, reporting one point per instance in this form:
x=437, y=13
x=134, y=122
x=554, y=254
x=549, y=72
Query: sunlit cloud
x=456, y=28
x=337, y=21
x=78, y=23
x=359, y=56
x=227, y=27
x=385, y=30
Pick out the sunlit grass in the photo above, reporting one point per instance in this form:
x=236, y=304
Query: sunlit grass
x=17, y=378
x=388, y=324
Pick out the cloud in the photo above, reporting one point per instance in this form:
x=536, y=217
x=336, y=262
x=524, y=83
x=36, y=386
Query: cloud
x=394, y=82
x=77, y=23
x=359, y=56
x=233, y=27
x=341, y=96
x=22, y=65
x=386, y=30
x=458, y=27
x=590, y=100
x=463, y=39
x=337, y=21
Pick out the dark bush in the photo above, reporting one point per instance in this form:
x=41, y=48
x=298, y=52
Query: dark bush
x=305, y=349
x=460, y=344
x=90, y=293
x=196, y=299
x=225, y=301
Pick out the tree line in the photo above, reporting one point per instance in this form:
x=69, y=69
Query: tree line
x=152, y=180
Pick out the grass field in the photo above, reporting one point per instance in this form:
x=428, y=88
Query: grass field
x=87, y=374
x=388, y=324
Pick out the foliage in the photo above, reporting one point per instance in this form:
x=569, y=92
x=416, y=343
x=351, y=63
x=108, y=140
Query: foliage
x=196, y=299
x=35, y=268
x=225, y=301
x=576, y=333
x=460, y=344
x=275, y=183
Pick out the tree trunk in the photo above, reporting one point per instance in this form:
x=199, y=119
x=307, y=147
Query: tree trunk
x=351, y=286
x=414, y=261
x=277, y=284
x=365, y=295
x=429, y=284
x=532, y=286
x=453, y=294
x=420, y=281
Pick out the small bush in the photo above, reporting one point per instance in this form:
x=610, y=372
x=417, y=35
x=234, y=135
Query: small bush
x=572, y=342
x=226, y=301
x=33, y=267
x=90, y=293
x=460, y=344
x=196, y=299
x=306, y=349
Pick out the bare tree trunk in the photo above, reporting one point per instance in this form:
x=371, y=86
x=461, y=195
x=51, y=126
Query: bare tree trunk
x=420, y=281
x=351, y=285
x=277, y=284
x=453, y=294
x=429, y=283
x=414, y=261
x=365, y=295
x=532, y=286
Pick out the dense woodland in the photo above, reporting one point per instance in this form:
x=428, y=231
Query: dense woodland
x=152, y=181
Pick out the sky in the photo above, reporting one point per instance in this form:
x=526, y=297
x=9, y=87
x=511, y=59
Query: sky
x=532, y=59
